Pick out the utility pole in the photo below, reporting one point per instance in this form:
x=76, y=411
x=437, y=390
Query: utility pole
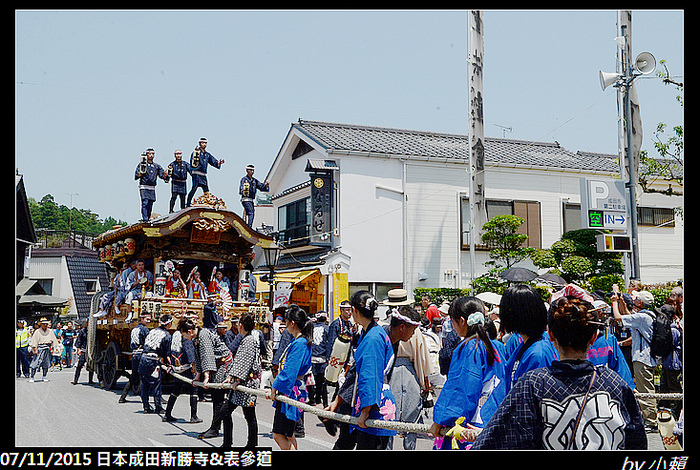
x=629, y=123
x=477, y=201
x=630, y=129
x=70, y=213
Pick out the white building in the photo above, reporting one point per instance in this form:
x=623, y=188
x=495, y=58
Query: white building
x=70, y=272
x=400, y=203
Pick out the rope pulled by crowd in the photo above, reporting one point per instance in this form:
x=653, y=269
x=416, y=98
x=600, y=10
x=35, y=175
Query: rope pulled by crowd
x=418, y=428
x=660, y=396
x=324, y=414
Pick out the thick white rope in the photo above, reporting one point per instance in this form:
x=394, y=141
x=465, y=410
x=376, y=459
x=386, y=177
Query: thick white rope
x=374, y=423
x=325, y=414
x=660, y=396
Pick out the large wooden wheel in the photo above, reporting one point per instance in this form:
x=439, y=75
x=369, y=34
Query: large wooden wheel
x=110, y=373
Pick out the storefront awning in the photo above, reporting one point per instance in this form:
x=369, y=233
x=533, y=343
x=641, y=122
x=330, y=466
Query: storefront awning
x=29, y=293
x=41, y=301
x=294, y=277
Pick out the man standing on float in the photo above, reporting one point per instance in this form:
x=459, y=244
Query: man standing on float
x=178, y=171
x=247, y=189
x=199, y=161
x=148, y=172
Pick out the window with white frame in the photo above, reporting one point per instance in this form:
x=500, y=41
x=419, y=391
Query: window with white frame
x=92, y=286
x=572, y=216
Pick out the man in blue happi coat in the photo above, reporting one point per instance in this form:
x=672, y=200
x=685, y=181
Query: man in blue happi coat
x=247, y=189
x=199, y=162
x=156, y=350
x=137, y=340
x=148, y=174
x=178, y=171
x=139, y=284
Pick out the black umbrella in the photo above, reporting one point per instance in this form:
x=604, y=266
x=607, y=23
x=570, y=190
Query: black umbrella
x=518, y=275
x=553, y=279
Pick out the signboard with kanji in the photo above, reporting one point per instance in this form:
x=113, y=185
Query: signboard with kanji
x=321, y=230
x=604, y=204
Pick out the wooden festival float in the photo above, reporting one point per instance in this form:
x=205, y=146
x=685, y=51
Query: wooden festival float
x=205, y=235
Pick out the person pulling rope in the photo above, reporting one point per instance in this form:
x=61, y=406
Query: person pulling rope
x=395, y=425
x=325, y=414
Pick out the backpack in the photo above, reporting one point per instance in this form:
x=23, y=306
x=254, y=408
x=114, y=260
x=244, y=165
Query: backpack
x=661, y=344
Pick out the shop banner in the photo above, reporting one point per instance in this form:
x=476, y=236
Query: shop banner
x=340, y=292
x=283, y=294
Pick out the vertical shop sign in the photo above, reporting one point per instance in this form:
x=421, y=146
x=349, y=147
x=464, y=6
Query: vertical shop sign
x=321, y=229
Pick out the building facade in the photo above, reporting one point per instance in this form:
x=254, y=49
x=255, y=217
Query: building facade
x=399, y=204
x=72, y=273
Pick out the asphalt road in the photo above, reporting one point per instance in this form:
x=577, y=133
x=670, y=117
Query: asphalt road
x=59, y=414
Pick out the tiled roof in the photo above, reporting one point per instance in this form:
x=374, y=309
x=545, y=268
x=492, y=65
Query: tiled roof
x=409, y=143
x=314, y=164
x=303, y=185
x=80, y=269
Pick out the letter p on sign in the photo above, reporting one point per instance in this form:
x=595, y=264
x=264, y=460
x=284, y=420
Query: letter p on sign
x=598, y=190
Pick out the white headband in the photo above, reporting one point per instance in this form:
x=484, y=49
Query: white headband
x=395, y=313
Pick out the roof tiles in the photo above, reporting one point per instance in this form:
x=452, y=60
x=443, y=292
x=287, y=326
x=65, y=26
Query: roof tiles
x=409, y=143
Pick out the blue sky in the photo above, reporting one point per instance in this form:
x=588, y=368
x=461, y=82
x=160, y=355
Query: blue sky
x=93, y=89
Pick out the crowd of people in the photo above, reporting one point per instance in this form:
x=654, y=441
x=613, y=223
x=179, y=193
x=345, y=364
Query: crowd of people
x=514, y=372
x=41, y=346
x=204, y=354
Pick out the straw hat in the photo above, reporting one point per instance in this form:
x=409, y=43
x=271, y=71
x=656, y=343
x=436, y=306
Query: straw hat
x=397, y=297
x=444, y=308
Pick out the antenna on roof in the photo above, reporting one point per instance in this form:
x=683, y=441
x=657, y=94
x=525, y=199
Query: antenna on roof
x=504, y=129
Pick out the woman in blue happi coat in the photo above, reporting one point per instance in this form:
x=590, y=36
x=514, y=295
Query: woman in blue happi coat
x=570, y=404
x=522, y=311
x=374, y=358
x=475, y=383
x=294, y=365
x=606, y=349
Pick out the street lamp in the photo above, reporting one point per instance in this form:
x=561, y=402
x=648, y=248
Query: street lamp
x=272, y=256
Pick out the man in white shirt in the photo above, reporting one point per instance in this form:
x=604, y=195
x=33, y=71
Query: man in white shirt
x=640, y=322
x=43, y=340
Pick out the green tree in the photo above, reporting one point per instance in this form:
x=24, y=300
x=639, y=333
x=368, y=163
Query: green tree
x=669, y=165
x=500, y=235
x=45, y=213
x=110, y=222
x=49, y=215
x=575, y=257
